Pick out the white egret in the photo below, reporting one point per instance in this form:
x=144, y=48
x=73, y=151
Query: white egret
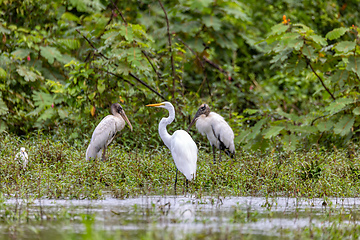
x=182, y=146
x=217, y=130
x=22, y=157
x=105, y=132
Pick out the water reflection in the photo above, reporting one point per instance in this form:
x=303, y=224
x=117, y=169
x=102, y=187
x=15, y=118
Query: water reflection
x=183, y=214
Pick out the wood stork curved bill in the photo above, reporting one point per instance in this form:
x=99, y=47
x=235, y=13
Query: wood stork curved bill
x=216, y=129
x=182, y=146
x=22, y=157
x=105, y=132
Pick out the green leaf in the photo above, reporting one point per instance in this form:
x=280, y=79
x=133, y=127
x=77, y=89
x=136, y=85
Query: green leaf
x=250, y=111
x=290, y=116
x=273, y=131
x=2, y=73
x=47, y=114
x=4, y=30
x=309, y=52
x=3, y=126
x=256, y=128
x=336, y=33
x=356, y=111
x=127, y=32
x=338, y=104
x=212, y=21
x=343, y=127
x=302, y=129
x=354, y=65
x=21, y=53
x=110, y=36
x=340, y=76
x=290, y=142
x=101, y=86
x=42, y=99
x=28, y=74
x=71, y=44
x=242, y=136
x=300, y=66
x=3, y=108
x=50, y=53
x=71, y=17
x=318, y=39
x=134, y=56
x=325, y=125
x=279, y=28
x=345, y=46
x=63, y=113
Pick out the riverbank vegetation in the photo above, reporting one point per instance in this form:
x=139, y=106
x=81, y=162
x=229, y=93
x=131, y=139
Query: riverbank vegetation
x=58, y=170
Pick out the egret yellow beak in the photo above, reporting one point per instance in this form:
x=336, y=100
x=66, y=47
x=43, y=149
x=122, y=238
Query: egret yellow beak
x=155, y=105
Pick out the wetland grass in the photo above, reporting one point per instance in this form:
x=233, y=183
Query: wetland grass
x=58, y=170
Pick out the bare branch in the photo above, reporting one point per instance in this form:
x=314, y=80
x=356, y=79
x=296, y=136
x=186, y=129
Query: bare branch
x=122, y=16
x=322, y=82
x=170, y=47
x=146, y=85
x=211, y=63
x=152, y=65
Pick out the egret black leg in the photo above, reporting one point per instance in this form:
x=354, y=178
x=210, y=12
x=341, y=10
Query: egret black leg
x=187, y=184
x=175, y=181
x=213, y=148
x=219, y=155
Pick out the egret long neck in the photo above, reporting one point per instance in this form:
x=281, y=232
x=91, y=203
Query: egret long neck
x=165, y=136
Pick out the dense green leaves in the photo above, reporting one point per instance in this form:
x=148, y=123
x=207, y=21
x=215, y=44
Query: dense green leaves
x=64, y=64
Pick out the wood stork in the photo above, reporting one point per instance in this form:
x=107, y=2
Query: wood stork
x=22, y=158
x=217, y=130
x=105, y=132
x=182, y=146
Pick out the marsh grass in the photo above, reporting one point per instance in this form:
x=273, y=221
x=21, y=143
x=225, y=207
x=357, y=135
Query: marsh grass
x=58, y=170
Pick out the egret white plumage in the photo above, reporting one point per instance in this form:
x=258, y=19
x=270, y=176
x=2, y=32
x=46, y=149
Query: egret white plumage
x=105, y=132
x=182, y=146
x=217, y=130
x=22, y=157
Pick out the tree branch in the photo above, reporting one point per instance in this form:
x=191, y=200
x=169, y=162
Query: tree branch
x=322, y=82
x=214, y=65
x=146, y=85
x=122, y=16
x=152, y=65
x=170, y=47
x=132, y=75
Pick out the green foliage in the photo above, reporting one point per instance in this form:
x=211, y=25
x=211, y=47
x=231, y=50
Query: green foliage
x=333, y=72
x=63, y=64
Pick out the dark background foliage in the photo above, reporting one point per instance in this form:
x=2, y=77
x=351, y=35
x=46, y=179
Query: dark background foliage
x=280, y=84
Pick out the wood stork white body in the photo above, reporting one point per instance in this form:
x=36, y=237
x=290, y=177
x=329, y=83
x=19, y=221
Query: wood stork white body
x=182, y=146
x=105, y=132
x=22, y=157
x=216, y=129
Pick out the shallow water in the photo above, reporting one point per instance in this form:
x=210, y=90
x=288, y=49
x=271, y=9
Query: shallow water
x=181, y=215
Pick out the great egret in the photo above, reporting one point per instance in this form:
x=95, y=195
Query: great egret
x=217, y=130
x=22, y=157
x=105, y=132
x=182, y=146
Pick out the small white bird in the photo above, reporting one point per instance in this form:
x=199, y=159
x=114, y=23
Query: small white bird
x=22, y=158
x=182, y=146
x=105, y=132
x=217, y=130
